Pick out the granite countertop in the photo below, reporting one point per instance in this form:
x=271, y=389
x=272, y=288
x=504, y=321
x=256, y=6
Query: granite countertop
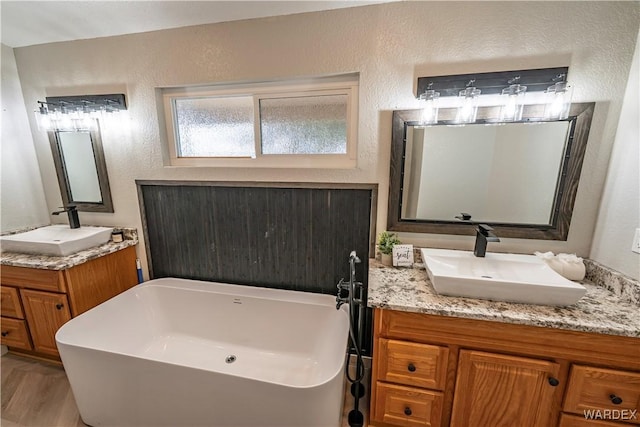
x=409, y=289
x=47, y=262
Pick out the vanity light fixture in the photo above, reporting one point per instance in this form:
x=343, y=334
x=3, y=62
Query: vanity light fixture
x=429, y=101
x=513, y=97
x=76, y=112
x=558, y=99
x=468, y=108
x=502, y=94
x=63, y=116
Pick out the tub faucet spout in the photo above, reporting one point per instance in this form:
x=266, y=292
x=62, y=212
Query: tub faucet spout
x=484, y=234
x=72, y=213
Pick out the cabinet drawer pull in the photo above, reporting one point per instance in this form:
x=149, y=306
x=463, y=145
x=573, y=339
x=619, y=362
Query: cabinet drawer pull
x=616, y=400
x=411, y=367
x=407, y=411
x=553, y=382
x=5, y=333
x=59, y=306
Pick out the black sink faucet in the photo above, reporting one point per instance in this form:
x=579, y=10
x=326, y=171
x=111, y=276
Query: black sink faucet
x=72, y=213
x=484, y=234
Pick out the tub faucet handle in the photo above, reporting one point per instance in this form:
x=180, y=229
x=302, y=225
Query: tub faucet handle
x=343, y=293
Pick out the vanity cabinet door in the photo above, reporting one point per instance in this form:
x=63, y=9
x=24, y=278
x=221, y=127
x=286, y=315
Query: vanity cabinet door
x=500, y=390
x=46, y=313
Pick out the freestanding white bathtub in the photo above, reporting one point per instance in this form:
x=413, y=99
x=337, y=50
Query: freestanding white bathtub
x=175, y=352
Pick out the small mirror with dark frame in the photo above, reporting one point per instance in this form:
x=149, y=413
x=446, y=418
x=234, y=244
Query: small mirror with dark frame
x=519, y=177
x=81, y=169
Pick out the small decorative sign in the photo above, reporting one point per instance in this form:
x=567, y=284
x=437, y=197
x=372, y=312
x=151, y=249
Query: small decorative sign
x=403, y=255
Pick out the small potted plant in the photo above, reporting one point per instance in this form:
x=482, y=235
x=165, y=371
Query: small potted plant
x=386, y=241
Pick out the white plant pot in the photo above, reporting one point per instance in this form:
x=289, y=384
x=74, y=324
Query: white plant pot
x=386, y=259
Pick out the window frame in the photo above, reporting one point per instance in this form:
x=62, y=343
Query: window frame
x=339, y=85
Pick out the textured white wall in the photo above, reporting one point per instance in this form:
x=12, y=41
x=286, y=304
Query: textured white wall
x=620, y=209
x=390, y=45
x=22, y=201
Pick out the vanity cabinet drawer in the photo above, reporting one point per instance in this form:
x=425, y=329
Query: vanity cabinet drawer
x=419, y=365
x=407, y=406
x=581, y=421
x=33, y=278
x=10, y=302
x=603, y=389
x=14, y=333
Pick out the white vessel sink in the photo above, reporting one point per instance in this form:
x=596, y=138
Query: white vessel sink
x=57, y=240
x=499, y=277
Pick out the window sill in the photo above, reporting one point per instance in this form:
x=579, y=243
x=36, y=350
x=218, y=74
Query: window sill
x=291, y=161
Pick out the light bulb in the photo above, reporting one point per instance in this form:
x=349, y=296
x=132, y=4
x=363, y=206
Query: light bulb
x=513, y=97
x=43, y=119
x=429, y=101
x=468, y=110
x=558, y=101
x=65, y=122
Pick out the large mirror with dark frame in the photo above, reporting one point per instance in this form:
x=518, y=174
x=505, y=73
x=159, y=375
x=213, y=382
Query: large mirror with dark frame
x=520, y=177
x=81, y=169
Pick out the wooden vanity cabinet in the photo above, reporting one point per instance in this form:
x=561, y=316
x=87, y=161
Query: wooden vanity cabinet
x=37, y=302
x=445, y=371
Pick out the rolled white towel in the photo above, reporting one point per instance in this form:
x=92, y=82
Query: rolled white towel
x=572, y=266
x=551, y=261
x=569, y=266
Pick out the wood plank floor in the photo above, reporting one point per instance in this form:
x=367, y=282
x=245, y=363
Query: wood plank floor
x=37, y=394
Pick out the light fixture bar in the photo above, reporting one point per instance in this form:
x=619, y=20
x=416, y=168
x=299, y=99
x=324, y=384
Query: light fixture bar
x=77, y=112
x=112, y=102
x=536, y=80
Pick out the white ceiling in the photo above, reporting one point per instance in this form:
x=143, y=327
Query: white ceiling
x=26, y=23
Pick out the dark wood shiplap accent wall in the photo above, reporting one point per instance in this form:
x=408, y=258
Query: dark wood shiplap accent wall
x=287, y=238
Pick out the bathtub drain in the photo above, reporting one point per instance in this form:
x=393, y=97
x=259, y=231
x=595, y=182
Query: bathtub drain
x=230, y=359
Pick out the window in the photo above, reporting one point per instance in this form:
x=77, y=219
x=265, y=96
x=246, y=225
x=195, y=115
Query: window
x=311, y=123
x=214, y=127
